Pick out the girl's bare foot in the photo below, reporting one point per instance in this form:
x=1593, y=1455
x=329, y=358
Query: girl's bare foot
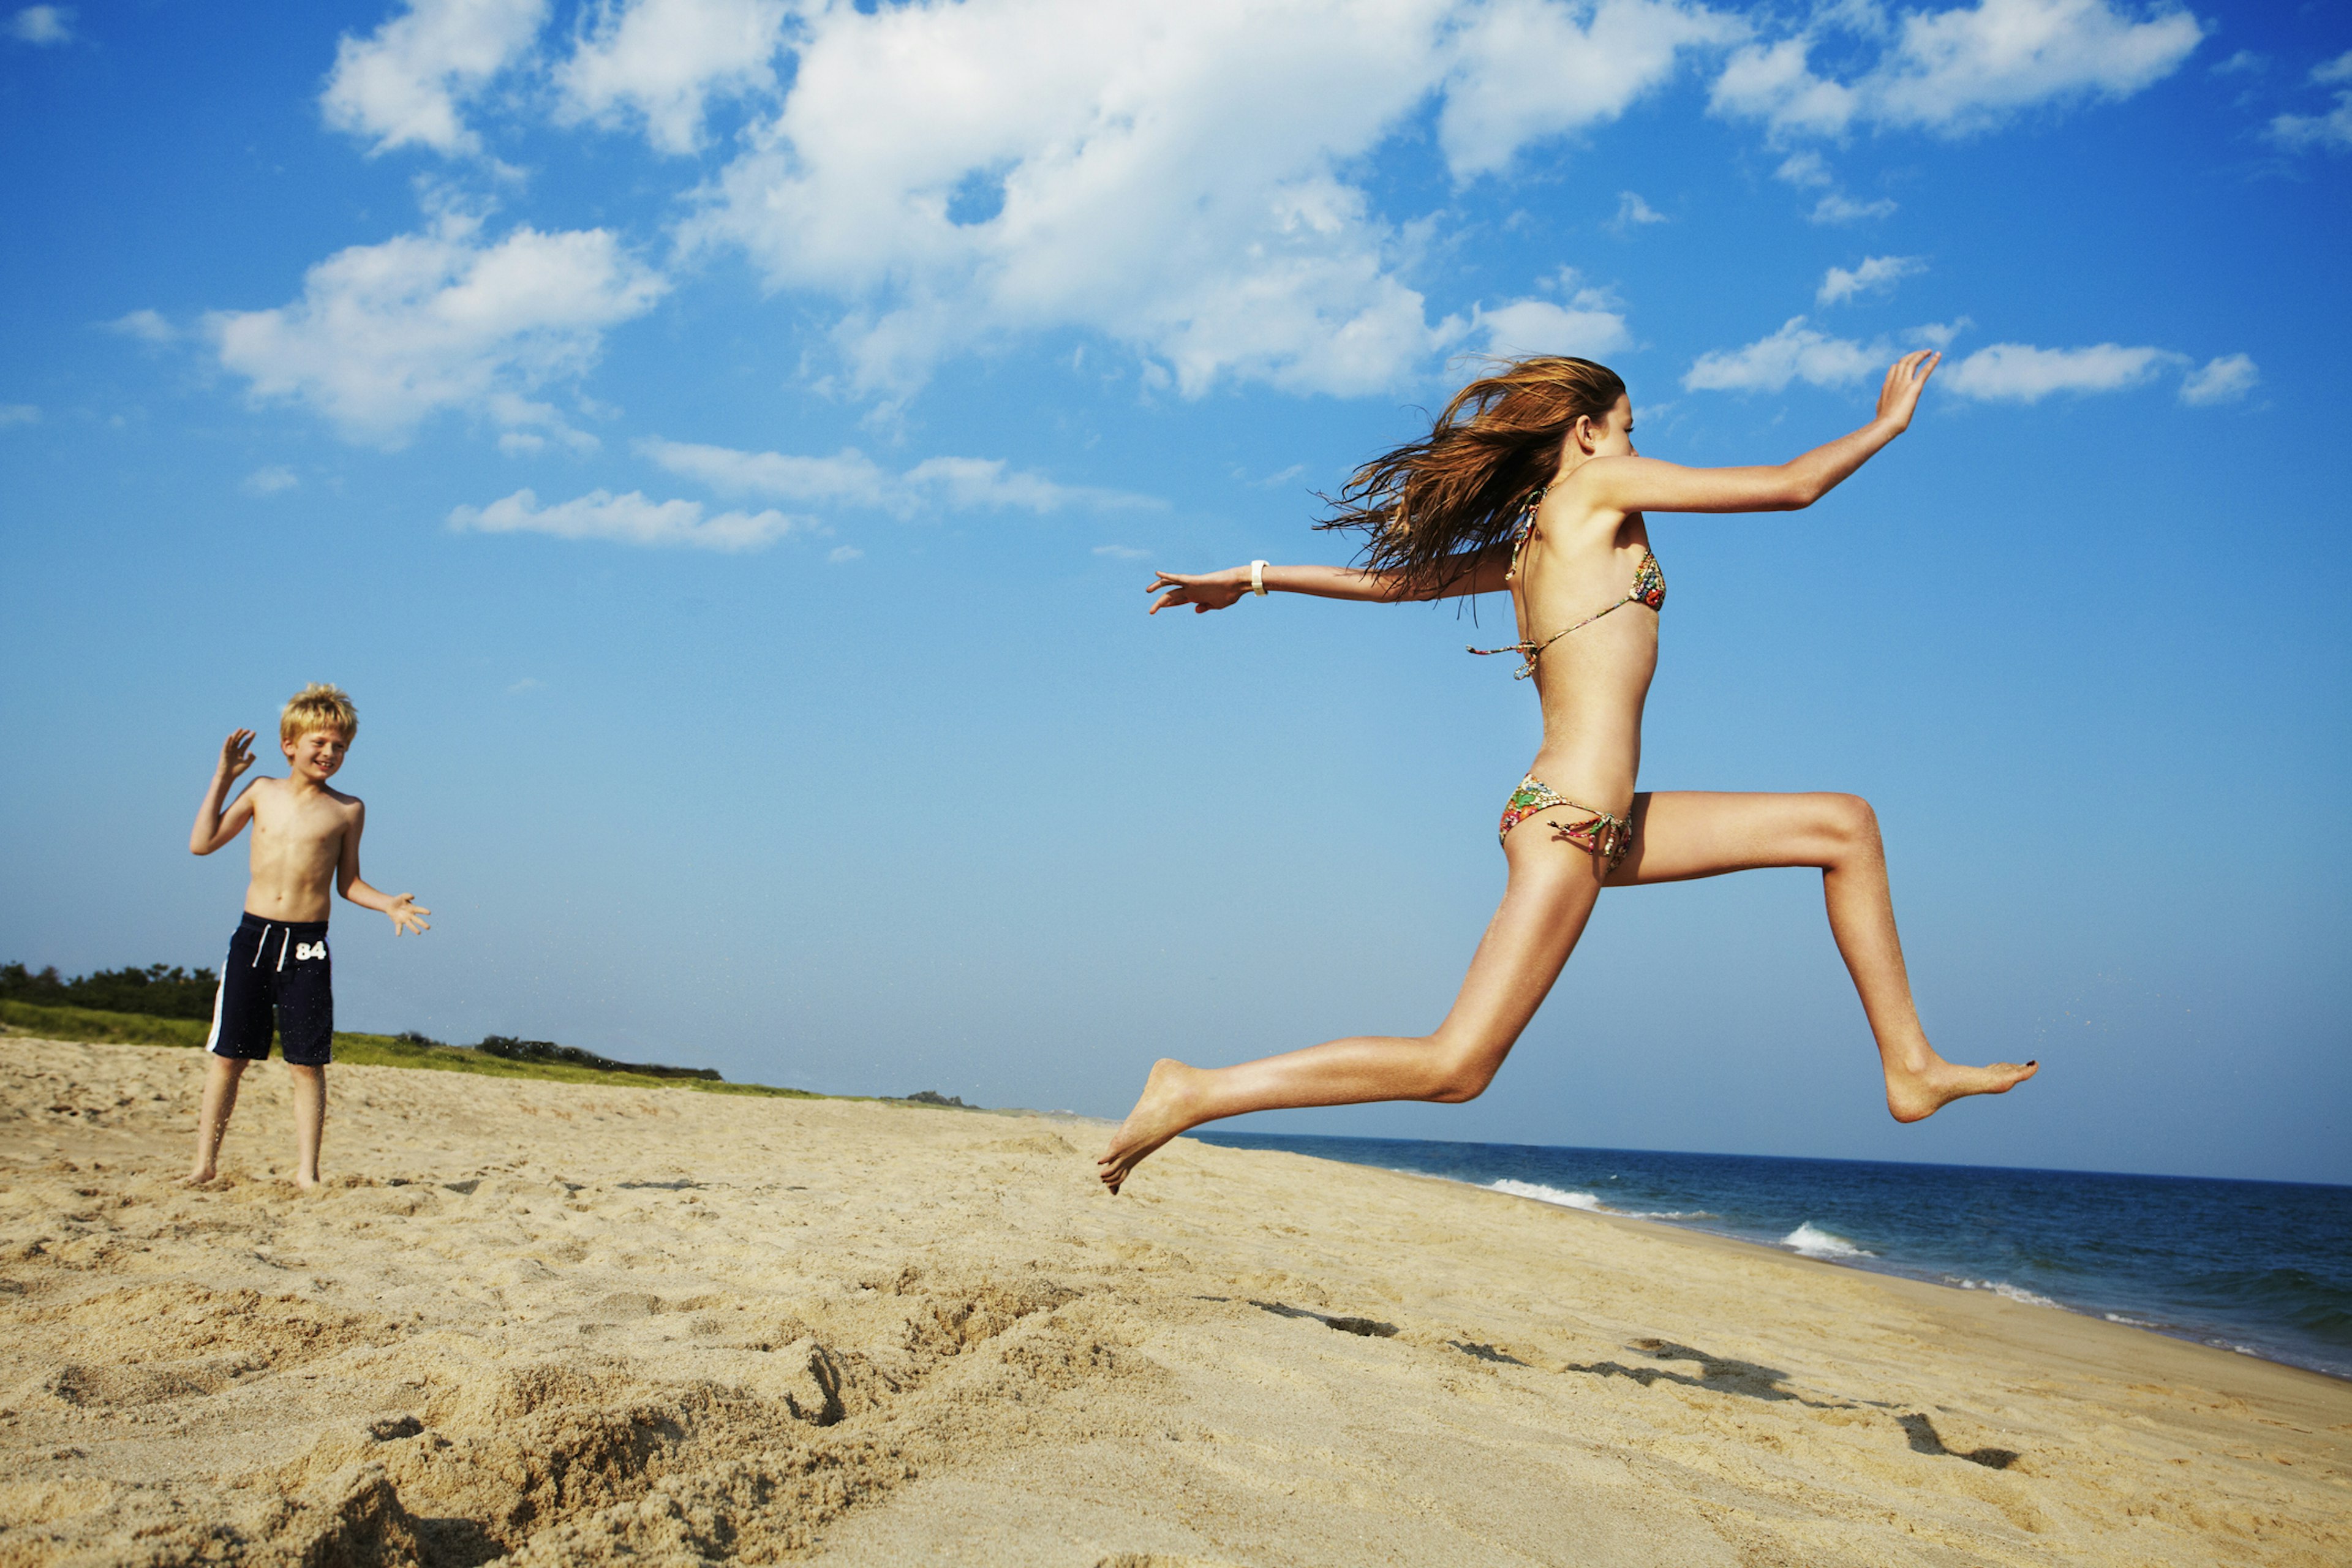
x=1913, y=1094
x=1158, y=1115
x=199, y=1176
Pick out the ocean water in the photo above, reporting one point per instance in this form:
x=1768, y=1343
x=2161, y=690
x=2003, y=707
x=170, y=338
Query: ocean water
x=2261, y=1268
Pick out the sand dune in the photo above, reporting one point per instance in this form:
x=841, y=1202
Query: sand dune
x=561, y=1324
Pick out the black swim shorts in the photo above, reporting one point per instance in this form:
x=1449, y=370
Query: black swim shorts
x=281, y=969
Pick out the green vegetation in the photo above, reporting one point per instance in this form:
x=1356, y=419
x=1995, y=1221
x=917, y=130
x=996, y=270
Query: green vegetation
x=158, y=991
x=515, y=1050
x=363, y=1051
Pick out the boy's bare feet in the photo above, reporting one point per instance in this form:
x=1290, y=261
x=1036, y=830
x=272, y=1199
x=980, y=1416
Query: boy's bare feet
x=1158, y=1115
x=1913, y=1094
x=199, y=1176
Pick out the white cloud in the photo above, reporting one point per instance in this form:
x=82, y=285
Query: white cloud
x=269, y=481
x=385, y=335
x=403, y=83
x=1840, y=208
x=2244, y=62
x=2020, y=372
x=1804, y=170
x=631, y=519
x=1808, y=172
x=18, y=414
x=1585, y=327
x=1176, y=175
x=1876, y=274
x=1632, y=213
x=2224, y=380
x=1525, y=70
x=1795, y=352
x=849, y=477
x=2332, y=130
x=663, y=60
x=1122, y=552
x=1957, y=70
x=42, y=25
x=147, y=326
x=842, y=554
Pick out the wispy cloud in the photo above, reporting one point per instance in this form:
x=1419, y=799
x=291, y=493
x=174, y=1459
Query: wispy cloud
x=2020, y=372
x=2223, y=380
x=402, y=84
x=1795, y=352
x=1632, y=213
x=1837, y=208
x=1809, y=171
x=269, y=481
x=659, y=62
x=18, y=414
x=386, y=335
x=850, y=477
x=147, y=326
x=958, y=175
x=1122, y=552
x=1876, y=274
x=1954, y=71
x=2331, y=130
x=43, y=26
x=630, y=519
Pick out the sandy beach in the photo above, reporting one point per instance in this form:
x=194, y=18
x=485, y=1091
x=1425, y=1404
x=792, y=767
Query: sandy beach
x=557, y=1324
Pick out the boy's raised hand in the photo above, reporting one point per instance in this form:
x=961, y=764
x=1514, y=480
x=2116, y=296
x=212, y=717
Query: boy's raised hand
x=404, y=911
x=236, y=755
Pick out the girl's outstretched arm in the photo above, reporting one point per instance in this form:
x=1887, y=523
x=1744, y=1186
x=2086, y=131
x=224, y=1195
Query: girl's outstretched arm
x=1479, y=572
x=1645, y=484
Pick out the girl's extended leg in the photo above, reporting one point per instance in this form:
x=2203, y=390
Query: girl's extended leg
x=1681, y=834
x=1551, y=895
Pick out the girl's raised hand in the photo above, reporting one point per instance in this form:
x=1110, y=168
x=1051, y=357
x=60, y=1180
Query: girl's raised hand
x=1209, y=590
x=1900, y=395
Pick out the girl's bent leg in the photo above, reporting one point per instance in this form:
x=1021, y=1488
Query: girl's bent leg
x=1681, y=834
x=1551, y=894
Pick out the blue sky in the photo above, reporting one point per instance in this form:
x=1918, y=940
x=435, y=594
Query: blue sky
x=721, y=444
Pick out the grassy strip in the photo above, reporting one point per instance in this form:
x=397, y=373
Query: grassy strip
x=364, y=1050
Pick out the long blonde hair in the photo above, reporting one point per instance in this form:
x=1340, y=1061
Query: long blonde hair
x=1461, y=487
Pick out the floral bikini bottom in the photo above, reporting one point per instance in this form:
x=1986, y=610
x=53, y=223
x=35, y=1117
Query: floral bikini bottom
x=1600, y=833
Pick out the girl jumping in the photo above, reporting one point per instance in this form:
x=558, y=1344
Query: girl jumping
x=1530, y=483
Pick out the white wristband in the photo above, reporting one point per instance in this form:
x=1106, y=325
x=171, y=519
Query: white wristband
x=1258, y=578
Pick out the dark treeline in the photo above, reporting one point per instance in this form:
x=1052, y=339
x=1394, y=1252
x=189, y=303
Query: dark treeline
x=158, y=991
x=515, y=1050
x=164, y=991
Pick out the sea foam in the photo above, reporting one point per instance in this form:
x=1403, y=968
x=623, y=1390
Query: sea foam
x=2002, y=1287
x=1814, y=1242
x=1543, y=1195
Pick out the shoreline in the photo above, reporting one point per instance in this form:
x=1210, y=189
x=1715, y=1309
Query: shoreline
x=580, y=1323
x=1843, y=1253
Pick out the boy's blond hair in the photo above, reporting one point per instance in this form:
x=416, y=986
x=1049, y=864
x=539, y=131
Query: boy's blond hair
x=318, y=706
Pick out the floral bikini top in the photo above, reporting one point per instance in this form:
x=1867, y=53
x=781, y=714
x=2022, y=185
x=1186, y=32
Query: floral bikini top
x=1649, y=588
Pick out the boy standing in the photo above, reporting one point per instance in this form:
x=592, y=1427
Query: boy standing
x=305, y=836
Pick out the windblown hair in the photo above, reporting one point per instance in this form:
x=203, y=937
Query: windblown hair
x=1461, y=487
x=318, y=706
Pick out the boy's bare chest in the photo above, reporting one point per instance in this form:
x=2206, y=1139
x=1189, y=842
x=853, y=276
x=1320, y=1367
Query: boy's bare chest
x=298, y=828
